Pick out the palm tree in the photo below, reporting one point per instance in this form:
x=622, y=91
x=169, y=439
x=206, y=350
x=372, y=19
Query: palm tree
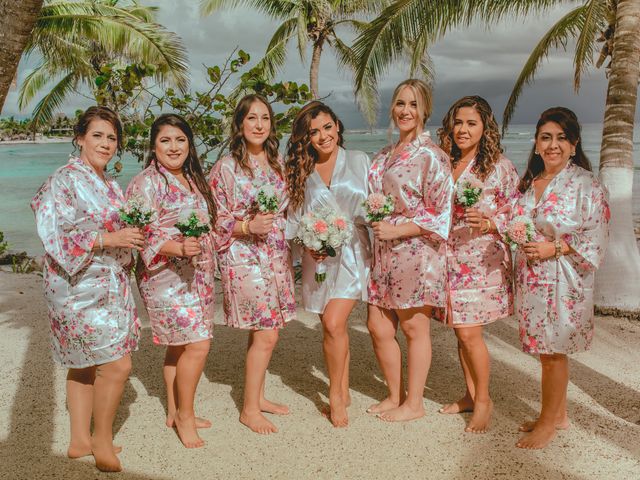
x=426, y=21
x=315, y=22
x=77, y=38
x=16, y=22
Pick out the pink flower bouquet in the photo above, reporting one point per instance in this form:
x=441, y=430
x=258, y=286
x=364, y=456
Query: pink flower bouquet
x=323, y=231
x=378, y=207
x=519, y=231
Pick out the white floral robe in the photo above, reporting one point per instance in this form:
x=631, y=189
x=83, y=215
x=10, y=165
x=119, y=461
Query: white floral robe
x=347, y=272
x=554, y=298
x=177, y=294
x=92, y=313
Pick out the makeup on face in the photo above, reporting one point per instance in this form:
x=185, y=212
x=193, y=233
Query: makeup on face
x=171, y=148
x=98, y=145
x=405, y=111
x=256, y=124
x=467, y=129
x=554, y=146
x=323, y=134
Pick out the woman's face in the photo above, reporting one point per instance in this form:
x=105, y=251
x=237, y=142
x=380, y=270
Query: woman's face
x=405, y=111
x=99, y=144
x=256, y=124
x=171, y=148
x=467, y=129
x=323, y=134
x=553, y=146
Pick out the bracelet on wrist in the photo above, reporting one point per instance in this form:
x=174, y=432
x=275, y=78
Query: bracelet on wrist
x=486, y=226
x=100, y=241
x=558, y=247
x=245, y=227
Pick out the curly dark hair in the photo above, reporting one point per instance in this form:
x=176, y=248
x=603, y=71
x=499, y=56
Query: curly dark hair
x=489, y=149
x=301, y=157
x=238, y=144
x=568, y=121
x=191, y=168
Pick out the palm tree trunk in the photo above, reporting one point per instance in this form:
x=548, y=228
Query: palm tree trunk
x=16, y=22
x=315, y=66
x=618, y=280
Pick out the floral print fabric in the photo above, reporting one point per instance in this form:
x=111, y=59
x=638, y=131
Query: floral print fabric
x=92, y=313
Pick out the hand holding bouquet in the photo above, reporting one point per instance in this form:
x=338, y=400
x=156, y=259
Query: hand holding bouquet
x=519, y=231
x=323, y=231
x=378, y=207
x=193, y=223
x=468, y=193
x=267, y=200
x=135, y=214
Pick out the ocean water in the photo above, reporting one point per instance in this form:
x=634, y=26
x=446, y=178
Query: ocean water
x=23, y=168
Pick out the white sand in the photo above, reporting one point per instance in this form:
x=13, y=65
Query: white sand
x=604, y=405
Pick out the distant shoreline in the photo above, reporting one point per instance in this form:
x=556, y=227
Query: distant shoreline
x=37, y=141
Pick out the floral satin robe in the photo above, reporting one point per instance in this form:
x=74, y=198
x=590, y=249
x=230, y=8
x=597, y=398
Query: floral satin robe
x=257, y=280
x=178, y=295
x=554, y=298
x=347, y=272
x=479, y=266
x=411, y=272
x=92, y=313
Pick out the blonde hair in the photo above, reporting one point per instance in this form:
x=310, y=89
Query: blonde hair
x=422, y=92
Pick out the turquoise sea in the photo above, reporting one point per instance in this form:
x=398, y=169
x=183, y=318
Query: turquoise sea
x=24, y=167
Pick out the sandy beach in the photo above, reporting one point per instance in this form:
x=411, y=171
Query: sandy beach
x=604, y=406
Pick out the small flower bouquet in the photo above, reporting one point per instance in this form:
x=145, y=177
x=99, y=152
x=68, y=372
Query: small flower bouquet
x=267, y=200
x=193, y=223
x=378, y=207
x=135, y=214
x=519, y=231
x=468, y=193
x=324, y=231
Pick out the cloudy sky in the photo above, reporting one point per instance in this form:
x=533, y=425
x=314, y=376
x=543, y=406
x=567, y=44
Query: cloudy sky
x=470, y=61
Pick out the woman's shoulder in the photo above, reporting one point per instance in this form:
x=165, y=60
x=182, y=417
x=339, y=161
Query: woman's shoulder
x=223, y=164
x=358, y=156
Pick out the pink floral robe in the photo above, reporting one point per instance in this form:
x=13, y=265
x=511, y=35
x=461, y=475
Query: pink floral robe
x=257, y=281
x=479, y=267
x=178, y=295
x=411, y=272
x=92, y=313
x=554, y=298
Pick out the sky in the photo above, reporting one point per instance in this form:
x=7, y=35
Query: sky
x=472, y=61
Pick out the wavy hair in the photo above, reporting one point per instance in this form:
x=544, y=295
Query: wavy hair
x=301, y=157
x=422, y=92
x=191, y=168
x=568, y=121
x=238, y=144
x=98, y=112
x=489, y=149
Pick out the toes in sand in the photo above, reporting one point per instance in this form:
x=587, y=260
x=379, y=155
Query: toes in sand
x=258, y=423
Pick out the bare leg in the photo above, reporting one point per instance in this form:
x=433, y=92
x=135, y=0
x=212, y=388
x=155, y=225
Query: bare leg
x=415, y=324
x=383, y=326
x=169, y=374
x=80, y=406
x=335, y=344
x=465, y=404
x=479, y=365
x=260, y=348
x=268, y=406
x=108, y=388
x=188, y=372
x=555, y=378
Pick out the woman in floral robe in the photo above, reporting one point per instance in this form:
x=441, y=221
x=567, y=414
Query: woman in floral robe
x=568, y=208
x=253, y=254
x=94, y=325
x=408, y=273
x=175, y=273
x=321, y=174
x=479, y=271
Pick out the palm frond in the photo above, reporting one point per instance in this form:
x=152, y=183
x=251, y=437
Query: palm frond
x=276, y=53
x=590, y=24
x=274, y=8
x=53, y=100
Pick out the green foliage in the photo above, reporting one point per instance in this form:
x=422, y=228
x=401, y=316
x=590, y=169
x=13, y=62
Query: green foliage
x=126, y=90
x=3, y=245
x=192, y=226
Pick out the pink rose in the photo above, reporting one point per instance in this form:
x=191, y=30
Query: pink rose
x=320, y=226
x=376, y=201
x=340, y=223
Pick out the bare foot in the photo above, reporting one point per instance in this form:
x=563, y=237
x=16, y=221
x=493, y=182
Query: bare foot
x=200, y=422
x=403, y=413
x=538, y=438
x=186, y=426
x=106, y=460
x=481, y=417
x=384, y=406
x=275, y=408
x=258, y=423
x=338, y=413
x=79, y=451
x=465, y=404
x=562, y=424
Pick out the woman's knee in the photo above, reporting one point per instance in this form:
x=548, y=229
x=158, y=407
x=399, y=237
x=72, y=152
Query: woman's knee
x=469, y=337
x=265, y=339
x=199, y=349
x=334, y=327
x=117, y=370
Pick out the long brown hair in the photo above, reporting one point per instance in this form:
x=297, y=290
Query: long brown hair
x=301, y=157
x=238, y=144
x=489, y=149
x=100, y=113
x=422, y=92
x=568, y=121
x=191, y=167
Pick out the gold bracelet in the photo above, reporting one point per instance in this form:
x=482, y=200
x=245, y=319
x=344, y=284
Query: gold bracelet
x=558, y=246
x=245, y=227
x=488, y=226
x=100, y=241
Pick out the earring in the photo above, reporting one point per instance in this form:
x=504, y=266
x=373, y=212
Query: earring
x=573, y=154
x=536, y=152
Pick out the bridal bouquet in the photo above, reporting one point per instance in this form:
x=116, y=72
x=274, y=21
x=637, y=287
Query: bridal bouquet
x=519, y=231
x=193, y=223
x=135, y=214
x=378, y=207
x=468, y=193
x=324, y=231
x=267, y=200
